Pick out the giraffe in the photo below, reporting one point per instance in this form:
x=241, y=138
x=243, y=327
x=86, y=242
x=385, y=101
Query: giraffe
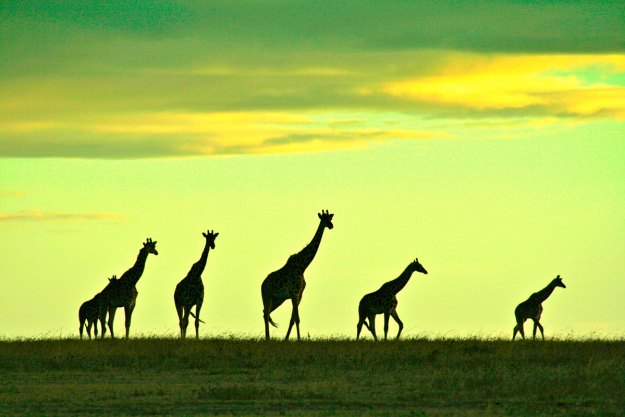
x=122, y=292
x=89, y=312
x=384, y=300
x=532, y=308
x=190, y=291
x=288, y=282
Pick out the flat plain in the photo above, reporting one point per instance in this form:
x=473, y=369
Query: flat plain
x=336, y=377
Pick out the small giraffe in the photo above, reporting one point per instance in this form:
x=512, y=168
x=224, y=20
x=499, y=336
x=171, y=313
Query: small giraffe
x=532, y=308
x=89, y=312
x=384, y=301
x=123, y=292
x=190, y=291
x=288, y=282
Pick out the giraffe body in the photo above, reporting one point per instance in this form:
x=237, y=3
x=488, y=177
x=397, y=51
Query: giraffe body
x=288, y=282
x=123, y=292
x=384, y=301
x=532, y=308
x=190, y=291
x=89, y=313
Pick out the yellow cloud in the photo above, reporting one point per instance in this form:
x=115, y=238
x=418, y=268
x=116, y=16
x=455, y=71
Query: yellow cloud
x=554, y=83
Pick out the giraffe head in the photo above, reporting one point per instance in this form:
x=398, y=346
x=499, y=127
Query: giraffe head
x=326, y=219
x=417, y=267
x=210, y=238
x=113, y=278
x=150, y=246
x=557, y=281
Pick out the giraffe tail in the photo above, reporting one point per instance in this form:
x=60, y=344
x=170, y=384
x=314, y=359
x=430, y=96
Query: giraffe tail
x=273, y=323
x=195, y=317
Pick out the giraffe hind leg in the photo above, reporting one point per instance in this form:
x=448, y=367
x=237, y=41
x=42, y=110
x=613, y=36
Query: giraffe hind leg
x=395, y=316
x=372, y=326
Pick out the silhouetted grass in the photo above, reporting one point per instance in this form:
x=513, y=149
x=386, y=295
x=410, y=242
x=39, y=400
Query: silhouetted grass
x=419, y=377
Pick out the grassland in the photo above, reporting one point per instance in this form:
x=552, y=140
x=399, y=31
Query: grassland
x=313, y=378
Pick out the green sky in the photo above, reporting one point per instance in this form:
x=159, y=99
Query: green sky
x=484, y=138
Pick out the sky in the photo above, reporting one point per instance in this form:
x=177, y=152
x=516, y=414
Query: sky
x=485, y=139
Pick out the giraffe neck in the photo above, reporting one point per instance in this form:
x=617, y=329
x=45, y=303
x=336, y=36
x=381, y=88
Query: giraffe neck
x=134, y=273
x=543, y=294
x=198, y=267
x=400, y=282
x=306, y=255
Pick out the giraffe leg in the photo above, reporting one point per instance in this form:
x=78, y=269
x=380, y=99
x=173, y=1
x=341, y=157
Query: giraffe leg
x=179, y=310
x=198, y=307
x=185, y=320
x=534, y=332
x=395, y=316
x=372, y=326
x=361, y=321
x=89, y=323
x=294, y=319
x=110, y=322
x=82, y=323
x=95, y=328
x=386, y=317
x=128, y=309
x=542, y=333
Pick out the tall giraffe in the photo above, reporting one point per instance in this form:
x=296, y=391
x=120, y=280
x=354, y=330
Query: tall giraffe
x=288, y=282
x=89, y=312
x=123, y=292
x=190, y=291
x=532, y=308
x=384, y=301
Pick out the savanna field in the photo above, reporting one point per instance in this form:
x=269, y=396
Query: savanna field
x=224, y=377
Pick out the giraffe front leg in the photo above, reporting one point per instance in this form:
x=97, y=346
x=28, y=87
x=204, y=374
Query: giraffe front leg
x=95, y=328
x=294, y=319
x=185, y=320
x=110, y=322
x=395, y=316
x=542, y=333
x=128, y=309
x=198, y=307
x=386, y=317
x=89, y=324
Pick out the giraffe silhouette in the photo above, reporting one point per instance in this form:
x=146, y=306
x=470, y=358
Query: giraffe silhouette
x=123, y=292
x=89, y=313
x=532, y=308
x=190, y=291
x=288, y=282
x=384, y=301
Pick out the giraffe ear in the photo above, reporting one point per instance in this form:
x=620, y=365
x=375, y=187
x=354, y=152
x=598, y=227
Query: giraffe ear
x=215, y=235
x=319, y=215
x=204, y=234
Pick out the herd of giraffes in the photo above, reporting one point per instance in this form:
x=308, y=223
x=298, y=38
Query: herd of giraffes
x=287, y=283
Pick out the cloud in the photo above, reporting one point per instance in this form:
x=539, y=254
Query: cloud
x=546, y=85
x=168, y=134
x=47, y=216
x=6, y=193
x=187, y=79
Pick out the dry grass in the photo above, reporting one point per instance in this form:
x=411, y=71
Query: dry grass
x=312, y=378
